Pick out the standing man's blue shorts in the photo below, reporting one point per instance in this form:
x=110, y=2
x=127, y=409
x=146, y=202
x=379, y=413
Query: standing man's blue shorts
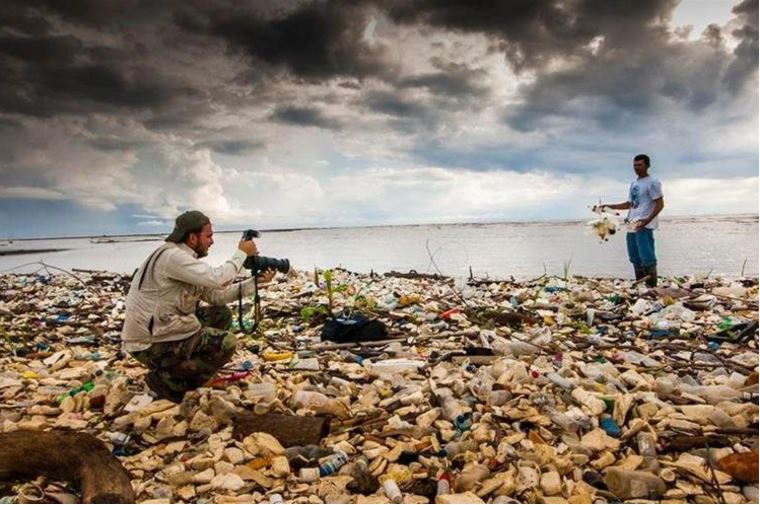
x=641, y=248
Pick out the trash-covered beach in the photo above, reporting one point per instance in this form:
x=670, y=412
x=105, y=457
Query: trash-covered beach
x=553, y=390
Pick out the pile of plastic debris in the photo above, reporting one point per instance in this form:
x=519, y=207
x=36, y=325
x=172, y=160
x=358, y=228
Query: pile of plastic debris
x=553, y=390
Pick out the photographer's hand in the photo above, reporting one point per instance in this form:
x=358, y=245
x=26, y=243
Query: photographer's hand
x=248, y=247
x=266, y=276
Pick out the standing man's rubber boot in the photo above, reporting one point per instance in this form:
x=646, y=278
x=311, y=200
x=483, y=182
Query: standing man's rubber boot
x=638, y=271
x=651, y=271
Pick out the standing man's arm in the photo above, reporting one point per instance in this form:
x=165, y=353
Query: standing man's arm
x=615, y=206
x=655, y=193
x=659, y=204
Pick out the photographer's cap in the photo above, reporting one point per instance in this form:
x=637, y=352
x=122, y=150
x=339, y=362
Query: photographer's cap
x=186, y=222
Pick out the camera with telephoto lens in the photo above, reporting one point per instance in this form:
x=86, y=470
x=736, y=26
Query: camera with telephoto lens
x=257, y=264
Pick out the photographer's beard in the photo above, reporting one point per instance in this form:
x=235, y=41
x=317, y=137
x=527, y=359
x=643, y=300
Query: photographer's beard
x=200, y=251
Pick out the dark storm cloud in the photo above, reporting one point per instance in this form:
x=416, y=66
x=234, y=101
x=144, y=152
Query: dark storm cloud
x=83, y=88
x=619, y=60
x=624, y=60
x=530, y=29
x=112, y=143
x=531, y=32
x=106, y=14
x=391, y=104
x=51, y=64
x=232, y=147
x=317, y=40
x=744, y=65
x=451, y=80
x=305, y=116
x=45, y=50
x=21, y=18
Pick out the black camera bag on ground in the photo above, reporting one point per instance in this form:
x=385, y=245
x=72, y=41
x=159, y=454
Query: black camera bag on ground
x=357, y=328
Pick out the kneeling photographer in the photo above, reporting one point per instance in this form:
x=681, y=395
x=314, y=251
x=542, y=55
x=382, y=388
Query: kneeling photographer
x=181, y=344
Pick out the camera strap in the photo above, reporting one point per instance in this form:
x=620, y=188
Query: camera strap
x=256, y=306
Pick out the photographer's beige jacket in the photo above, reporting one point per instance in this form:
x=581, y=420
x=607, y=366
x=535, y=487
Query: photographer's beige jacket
x=166, y=289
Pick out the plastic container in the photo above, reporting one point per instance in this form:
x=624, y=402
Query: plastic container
x=627, y=484
x=396, y=366
x=392, y=491
x=333, y=464
x=319, y=403
x=261, y=392
x=277, y=356
x=609, y=426
x=308, y=474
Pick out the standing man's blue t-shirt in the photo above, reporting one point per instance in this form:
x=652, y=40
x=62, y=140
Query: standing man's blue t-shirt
x=641, y=195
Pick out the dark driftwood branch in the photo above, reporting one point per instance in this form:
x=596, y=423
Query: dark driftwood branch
x=66, y=455
x=288, y=430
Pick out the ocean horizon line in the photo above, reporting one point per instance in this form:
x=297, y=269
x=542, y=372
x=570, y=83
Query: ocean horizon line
x=380, y=225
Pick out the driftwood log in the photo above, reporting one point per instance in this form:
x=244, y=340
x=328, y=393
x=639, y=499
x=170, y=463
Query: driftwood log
x=413, y=274
x=66, y=455
x=288, y=430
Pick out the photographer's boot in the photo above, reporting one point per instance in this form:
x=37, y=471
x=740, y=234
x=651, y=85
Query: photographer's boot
x=651, y=271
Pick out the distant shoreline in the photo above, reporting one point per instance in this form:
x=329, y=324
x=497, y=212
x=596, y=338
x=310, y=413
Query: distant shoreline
x=163, y=234
x=19, y=252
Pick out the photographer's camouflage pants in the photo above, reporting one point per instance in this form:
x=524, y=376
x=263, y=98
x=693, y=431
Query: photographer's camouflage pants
x=179, y=366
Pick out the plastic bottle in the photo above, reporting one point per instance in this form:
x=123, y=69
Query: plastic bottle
x=363, y=483
x=451, y=408
x=360, y=466
x=594, y=339
x=498, y=397
x=482, y=384
x=261, y=392
x=306, y=453
x=392, y=491
x=560, y=381
x=646, y=444
x=470, y=476
x=627, y=484
x=513, y=347
x=444, y=484
x=118, y=437
x=609, y=426
x=350, y=357
x=339, y=383
x=454, y=448
x=562, y=420
x=333, y=465
x=319, y=403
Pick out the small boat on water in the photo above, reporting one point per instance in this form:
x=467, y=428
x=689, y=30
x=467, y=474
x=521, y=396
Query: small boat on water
x=105, y=239
x=102, y=240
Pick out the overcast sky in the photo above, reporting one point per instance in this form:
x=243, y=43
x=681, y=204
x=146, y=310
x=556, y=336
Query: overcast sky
x=117, y=115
